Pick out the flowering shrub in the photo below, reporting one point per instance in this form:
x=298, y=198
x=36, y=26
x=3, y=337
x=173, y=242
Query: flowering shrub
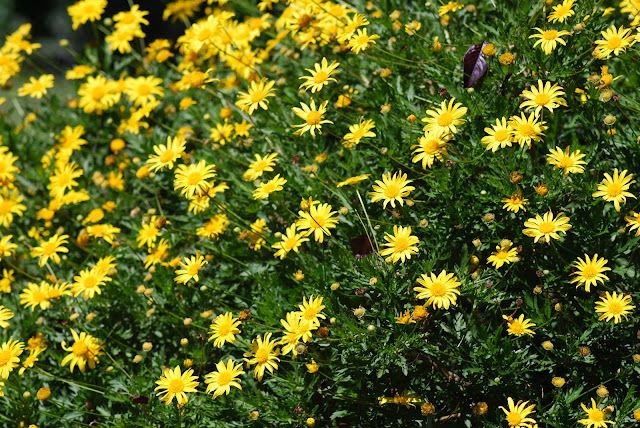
x=367, y=214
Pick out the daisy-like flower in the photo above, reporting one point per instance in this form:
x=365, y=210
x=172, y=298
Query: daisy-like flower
x=259, y=166
x=50, y=249
x=549, y=39
x=192, y=179
x=633, y=222
x=165, y=156
x=544, y=96
x=148, y=233
x=616, y=40
x=291, y=241
x=401, y=245
x=265, y=189
x=517, y=415
x=9, y=353
x=353, y=180
x=614, y=189
x=5, y=314
x=312, y=310
x=174, y=383
x=36, y=295
x=317, y=220
x=359, y=131
x=361, y=41
x=452, y=6
x=519, y=326
x=88, y=283
x=263, y=355
x=614, y=306
x=515, y=203
x=85, y=350
x=63, y=179
x=143, y=90
x=190, y=269
x=224, y=329
x=504, y=254
x=313, y=117
x=98, y=94
x=256, y=96
x=562, y=11
x=391, y=189
x=7, y=248
x=320, y=77
x=445, y=118
x=296, y=329
x=596, y=418
x=220, y=381
x=86, y=10
x=431, y=146
x=571, y=163
x=36, y=88
x=546, y=227
x=441, y=291
x=589, y=271
x=527, y=129
x=214, y=227
x=498, y=136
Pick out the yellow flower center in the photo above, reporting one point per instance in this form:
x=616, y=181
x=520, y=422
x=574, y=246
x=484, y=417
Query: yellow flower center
x=224, y=378
x=5, y=356
x=596, y=415
x=320, y=77
x=526, y=130
x=392, y=191
x=550, y=34
x=38, y=296
x=262, y=356
x=363, y=40
x=257, y=96
x=194, y=178
x=97, y=93
x=614, y=43
x=615, y=308
x=614, y=189
x=514, y=419
x=269, y=187
x=193, y=269
x=445, y=119
x=542, y=99
x=501, y=135
x=304, y=20
x=204, y=35
x=90, y=282
x=5, y=207
x=589, y=272
x=167, y=156
x=502, y=254
x=438, y=289
x=79, y=348
x=517, y=328
x=313, y=118
x=401, y=244
x=49, y=248
x=144, y=90
x=176, y=385
x=546, y=227
x=566, y=162
x=224, y=329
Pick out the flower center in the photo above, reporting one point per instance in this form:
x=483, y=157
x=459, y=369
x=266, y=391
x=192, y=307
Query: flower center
x=194, y=178
x=614, y=190
x=204, y=35
x=502, y=254
x=526, y=130
x=167, y=156
x=79, y=348
x=566, y=162
x=176, y=385
x=257, y=96
x=320, y=77
x=589, y=272
x=615, y=308
x=5, y=207
x=596, y=415
x=438, y=289
x=445, y=119
x=392, y=191
x=224, y=378
x=193, y=270
x=363, y=40
x=550, y=34
x=614, y=43
x=5, y=356
x=224, y=330
x=517, y=328
x=262, y=356
x=400, y=245
x=38, y=296
x=501, y=135
x=98, y=93
x=313, y=118
x=49, y=248
x=144, y=90
x=90, y=282
x=546, y=227
x=542, y=99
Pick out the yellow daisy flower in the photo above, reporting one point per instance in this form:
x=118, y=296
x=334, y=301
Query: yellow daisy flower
x=562, y=11
x=549, y=39
x=220, y=381
x=431, y=146
x=313, y=117
x=259, y=166
x=85, y=350
x=312, y=310
x=50, y=249
x=353, y=180
x=174, y=383
x=361, y=41
x=291, y=241
x=504, y=254
x=192, y=179
x=614, y=189
x=256, y=96
x=320, y=77
x=589, y=271
x=36, y=295
x=633, y=222
x=596, y=418
x=616, y=40
x=517, y=415
x=498, y=136
x=317, y=220
x=441, y=290
x=224, y=329
x=359, y=131
x=614, y=306
x=165, y=156
x=265, y=189
x=445, y=118
x=36, y=88
x=5, y=314
x=88, y=283
x=570, y=162
x=402, y=244
x=519, y=326
x=527, y=129
x=190, y=269
x=515, y=203
x=546, y=227
x=9, y=353
x=391, y=189
x=263, y=355
x=544, y=96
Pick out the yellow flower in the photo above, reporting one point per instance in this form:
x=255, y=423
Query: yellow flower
x=313, y=117
x=223, y=329
x=317, y=220
x=312, y=310
x=361, y=41
x=265, y=189
x=5, y=314
x=50, y=249
x=220, y=381
x=616, y=40
x=359, y=131
x=353, y=180
x=431, y=146
x=614, y=306
x=88, y=283
x=406, y=399
x=296, y=329
x=614, y=189
x=498, y=136
x=256, y=97
x=562, y=11
x=570, y=162
x=445, y=118
x=291, y=241
x=190, y=269
x=405, y=318
x=633, y=222
x=549, y=39
x=517, y=414
x=173, y=383
x=519, y=326
x=98, y=94
x=263, y=355
x=504, y=254
x=259, y=166
x=192, y=179
x=148, y=233
x=85, y=350
x=165, y=156
x=9, y=353
x=515, y=203
x=590, y=271
x=441, y=290
x=402, y=244
x=37, y=88
x=546, y=227
x=313, y=367
x=595, y=416
x=391, y=189
x=527, y=129
x=320, y=76
x=544, y=96
x=10, y=204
